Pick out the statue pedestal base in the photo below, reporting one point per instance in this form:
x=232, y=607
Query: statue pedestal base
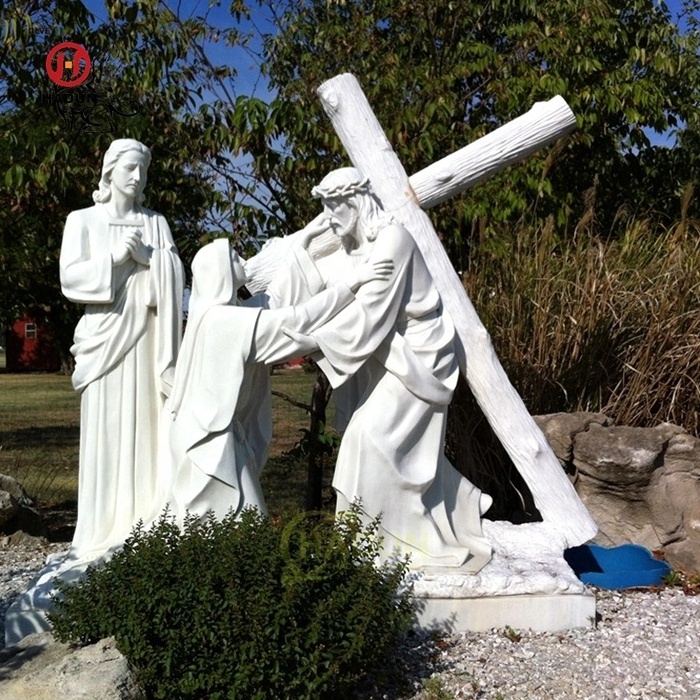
x=526, y=585
x=536, y=612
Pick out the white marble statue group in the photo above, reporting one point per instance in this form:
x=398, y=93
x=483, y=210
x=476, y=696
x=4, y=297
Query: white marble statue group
x=188, y=423
x=368, y=291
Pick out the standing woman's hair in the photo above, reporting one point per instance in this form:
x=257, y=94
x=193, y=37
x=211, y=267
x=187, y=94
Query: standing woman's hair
x=115, y=151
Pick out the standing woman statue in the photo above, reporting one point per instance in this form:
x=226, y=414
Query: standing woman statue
x=118, y=258
x=221, y=411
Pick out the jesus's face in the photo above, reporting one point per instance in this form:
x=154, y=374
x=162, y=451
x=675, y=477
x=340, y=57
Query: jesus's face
x=342, y=215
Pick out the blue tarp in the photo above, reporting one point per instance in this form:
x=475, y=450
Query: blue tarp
x=616, y=568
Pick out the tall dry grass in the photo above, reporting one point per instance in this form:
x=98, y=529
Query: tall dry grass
x=584, y=323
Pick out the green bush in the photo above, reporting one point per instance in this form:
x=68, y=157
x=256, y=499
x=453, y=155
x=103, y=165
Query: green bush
x=249, y=608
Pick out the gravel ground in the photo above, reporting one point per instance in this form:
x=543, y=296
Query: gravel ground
x=19, y=564
x=645, y=645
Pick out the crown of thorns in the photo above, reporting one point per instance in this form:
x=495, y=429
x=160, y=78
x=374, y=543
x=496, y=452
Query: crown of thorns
x=346, y=189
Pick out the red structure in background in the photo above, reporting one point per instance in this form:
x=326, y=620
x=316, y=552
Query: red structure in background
x=29, y=347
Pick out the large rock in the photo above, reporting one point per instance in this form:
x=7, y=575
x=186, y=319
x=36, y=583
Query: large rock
x=12, y=498
x=561, y=429
x=8, y=509
x=621, y=458
x=614, y=469
x=38, y=668
x=639, y=484
x=15, y=489
x=17, y=512
x=674, y=502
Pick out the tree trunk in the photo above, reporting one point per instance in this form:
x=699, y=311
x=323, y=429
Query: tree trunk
x=320, y=396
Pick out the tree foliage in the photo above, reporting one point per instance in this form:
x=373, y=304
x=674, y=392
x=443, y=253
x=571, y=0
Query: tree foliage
x=440, y=74
x=148, y=82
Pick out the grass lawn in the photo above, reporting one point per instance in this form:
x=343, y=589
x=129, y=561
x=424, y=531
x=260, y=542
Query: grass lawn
x=39, y=435
x=39, y=432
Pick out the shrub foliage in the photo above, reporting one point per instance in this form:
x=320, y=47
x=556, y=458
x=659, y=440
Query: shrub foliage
x=251, y=608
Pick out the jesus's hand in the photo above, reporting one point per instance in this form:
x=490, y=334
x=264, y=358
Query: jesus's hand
x=369, y=272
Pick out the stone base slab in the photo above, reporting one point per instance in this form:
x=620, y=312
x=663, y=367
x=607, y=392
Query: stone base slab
x=526, y=585
x=539, y=613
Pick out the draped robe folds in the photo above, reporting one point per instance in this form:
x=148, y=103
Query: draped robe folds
x=125, y=348
x=390, y=359
x=222, y=418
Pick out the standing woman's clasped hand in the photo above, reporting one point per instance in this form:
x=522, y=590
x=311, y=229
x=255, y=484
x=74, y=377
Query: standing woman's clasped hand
x=133, y=247
x=140, y=252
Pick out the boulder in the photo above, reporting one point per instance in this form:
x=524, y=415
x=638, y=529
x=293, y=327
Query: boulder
x=640, y=485
x=17, y=512
x=12, y=498
x=674, y=502
x=39, y=668
x=625, y=458
x=615, y=467
x=560, y=429
x=15, y=489
x=9, y=507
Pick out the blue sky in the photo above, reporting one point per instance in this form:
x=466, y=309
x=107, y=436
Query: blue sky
x=248, y=80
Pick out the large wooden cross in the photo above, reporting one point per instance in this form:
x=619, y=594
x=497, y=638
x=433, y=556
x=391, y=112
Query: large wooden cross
x=372, y=154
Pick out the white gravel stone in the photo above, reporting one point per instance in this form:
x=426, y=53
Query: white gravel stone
x=645, y=646
x=18, y=566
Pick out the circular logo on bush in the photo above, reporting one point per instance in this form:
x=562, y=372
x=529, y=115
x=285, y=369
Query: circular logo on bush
x=68, y=64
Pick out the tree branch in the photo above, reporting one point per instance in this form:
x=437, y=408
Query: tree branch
x=286, y=397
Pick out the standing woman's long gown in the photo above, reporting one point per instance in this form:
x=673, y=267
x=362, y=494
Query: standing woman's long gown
x=125, y=348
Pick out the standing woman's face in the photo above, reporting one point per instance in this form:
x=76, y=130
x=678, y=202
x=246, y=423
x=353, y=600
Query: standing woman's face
x=130, y=174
